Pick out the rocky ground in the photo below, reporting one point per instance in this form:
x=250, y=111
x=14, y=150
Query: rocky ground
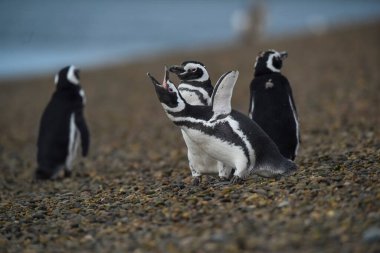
x=133, y=193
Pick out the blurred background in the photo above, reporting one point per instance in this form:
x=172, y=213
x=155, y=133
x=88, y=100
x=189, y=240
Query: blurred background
x=41, y=36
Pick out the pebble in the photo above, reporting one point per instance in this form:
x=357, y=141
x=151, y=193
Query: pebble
x=283, y=203
x=372, y=235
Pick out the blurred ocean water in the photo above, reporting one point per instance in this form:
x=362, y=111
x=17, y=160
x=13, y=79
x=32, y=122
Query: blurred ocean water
x=41, y=36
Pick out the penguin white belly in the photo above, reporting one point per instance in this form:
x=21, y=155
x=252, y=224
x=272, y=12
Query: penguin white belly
x=220, y=150
x=200, y=161
x=73, y=142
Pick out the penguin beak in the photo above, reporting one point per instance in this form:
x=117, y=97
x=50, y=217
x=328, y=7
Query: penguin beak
x=284, y=55
x=154, y=80
x=157, y=83
x=166, y=79
x=177, y=69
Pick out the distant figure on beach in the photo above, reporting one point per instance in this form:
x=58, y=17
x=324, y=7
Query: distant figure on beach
x=249, y=23
x=225, y=134
x=62, y=125
x=272, y=105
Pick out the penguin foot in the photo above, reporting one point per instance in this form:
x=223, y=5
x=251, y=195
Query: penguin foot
x=42, y=175
x=221, y=183
x=287, y=174
x=67, y=173
x=222, y=179
x=196, y=181
x=236, y=180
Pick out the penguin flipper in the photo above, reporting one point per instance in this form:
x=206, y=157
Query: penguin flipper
x=80, y=122
x=221, y=97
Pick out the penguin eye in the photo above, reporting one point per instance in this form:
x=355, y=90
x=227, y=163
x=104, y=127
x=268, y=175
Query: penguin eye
x=193, y=70
x=170, y=90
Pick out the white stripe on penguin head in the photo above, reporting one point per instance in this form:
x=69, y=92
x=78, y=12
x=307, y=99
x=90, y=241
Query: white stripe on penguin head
x=180, y=103
x=205, y=75
x=71, y=75
x=257, y=59
x=270, y=62
x=56, y=79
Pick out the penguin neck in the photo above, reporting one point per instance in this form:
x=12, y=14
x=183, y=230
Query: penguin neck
x=68, y=93
x=264, y=72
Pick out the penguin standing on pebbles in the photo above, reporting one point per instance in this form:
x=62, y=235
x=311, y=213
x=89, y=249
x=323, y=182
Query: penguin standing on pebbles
x=224, y=134
x=62, y=125
x=196, y=89
x=272, y=105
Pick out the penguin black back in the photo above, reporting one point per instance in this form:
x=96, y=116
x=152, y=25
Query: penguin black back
x=272, y=105
x=61, y=124
x=266, y=149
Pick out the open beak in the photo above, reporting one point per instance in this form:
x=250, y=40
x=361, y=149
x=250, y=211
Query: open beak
x=177, y=69
x=284, y=55
x=166, y=78
x=154, y=80
x=164, y=82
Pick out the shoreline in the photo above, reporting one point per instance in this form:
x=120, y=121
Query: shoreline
x=200, y=49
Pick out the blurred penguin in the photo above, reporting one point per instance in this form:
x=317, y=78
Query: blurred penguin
x=62, y=127
x=250, y=22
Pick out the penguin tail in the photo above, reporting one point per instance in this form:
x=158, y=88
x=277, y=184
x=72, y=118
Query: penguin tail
x=284, y=168
x=289, y=167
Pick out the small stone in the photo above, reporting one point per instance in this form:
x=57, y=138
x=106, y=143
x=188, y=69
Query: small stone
x=372, y=235
x=331, y=213
x=283, y=204
x=87, y=238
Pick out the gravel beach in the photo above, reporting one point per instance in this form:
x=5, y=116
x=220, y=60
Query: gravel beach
x=133, y=193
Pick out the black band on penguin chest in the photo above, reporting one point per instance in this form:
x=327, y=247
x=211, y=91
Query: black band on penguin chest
x=198, y=93
x=206, y=85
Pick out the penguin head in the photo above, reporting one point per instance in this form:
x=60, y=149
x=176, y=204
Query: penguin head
x=68, y=77
x=190, y=71
x=269, y=61
x=168, y=93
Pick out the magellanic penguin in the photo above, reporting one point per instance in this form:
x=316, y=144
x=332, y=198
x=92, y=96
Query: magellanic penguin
x=225, y=134
x=196, y=89
x=195, y=86
x=62, y=125
x=272, y=105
